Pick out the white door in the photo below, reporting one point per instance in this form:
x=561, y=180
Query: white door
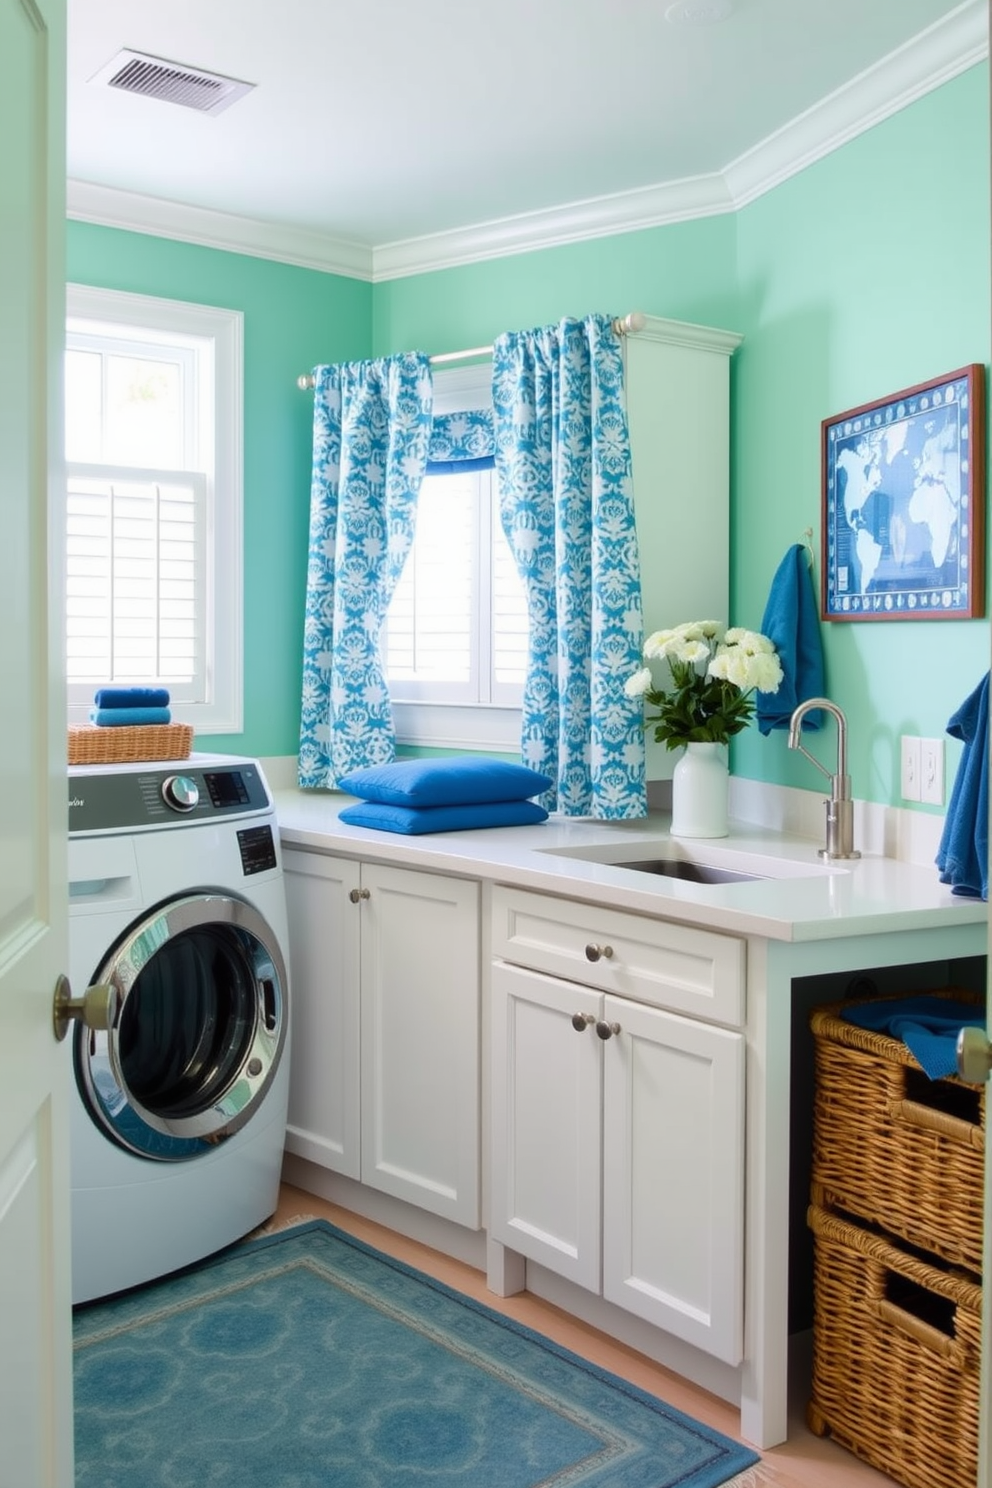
x=35, y=1334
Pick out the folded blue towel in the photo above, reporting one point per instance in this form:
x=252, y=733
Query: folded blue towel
x=415, y=820
x=928, y=1026
x=129, y=717
x=791, y=621
x=963, y=854
x=132, y=697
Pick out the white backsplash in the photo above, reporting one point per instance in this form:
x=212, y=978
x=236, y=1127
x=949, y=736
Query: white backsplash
x=885, y=831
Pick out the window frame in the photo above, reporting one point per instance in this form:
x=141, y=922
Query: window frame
x=106, y=313
x=442, y=723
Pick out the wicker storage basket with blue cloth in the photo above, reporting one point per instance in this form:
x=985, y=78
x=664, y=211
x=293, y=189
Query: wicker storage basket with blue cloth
x=893, y=1147
x=896, y=1362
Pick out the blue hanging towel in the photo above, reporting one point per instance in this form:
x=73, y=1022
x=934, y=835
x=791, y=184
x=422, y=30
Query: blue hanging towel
x=792, y=623
x=963, y=854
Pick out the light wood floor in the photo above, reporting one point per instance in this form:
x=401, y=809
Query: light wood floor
x=805, y=1461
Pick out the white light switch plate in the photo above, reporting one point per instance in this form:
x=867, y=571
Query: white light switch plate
x=932, y=771
x=909, y=767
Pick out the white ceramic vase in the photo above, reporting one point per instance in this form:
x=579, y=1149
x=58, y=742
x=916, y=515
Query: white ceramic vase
x=700, y=785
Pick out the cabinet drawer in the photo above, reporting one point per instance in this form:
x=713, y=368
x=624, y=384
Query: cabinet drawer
x=653, y=961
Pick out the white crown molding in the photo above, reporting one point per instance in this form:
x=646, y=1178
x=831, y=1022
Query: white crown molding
x=577, y=222
x=954, y=44
x=683, y=333
x=108, y=207
x=950, y=47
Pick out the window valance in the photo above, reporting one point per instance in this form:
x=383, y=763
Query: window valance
x=461, y=441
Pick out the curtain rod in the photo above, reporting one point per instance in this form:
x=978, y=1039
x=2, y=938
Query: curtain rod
x=622, y=326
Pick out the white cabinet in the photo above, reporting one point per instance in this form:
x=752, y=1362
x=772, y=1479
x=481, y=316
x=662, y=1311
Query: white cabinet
x=384, y=1084
x=618, y=1124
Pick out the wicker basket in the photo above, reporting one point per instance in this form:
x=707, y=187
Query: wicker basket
x=90, y=745
x=891, y=1146
x=895, y=1357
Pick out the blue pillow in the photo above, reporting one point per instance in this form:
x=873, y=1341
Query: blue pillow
x=413, y=820
x=452, y=781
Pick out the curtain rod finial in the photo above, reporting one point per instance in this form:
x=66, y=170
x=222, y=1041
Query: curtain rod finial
x=625, y=324
x=306, y=381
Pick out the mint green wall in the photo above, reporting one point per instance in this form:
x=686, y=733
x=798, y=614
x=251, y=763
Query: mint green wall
x=293, y=319
x=685, y=272
x=866, y=273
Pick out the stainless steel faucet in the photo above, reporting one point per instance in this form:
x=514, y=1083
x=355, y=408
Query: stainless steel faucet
x=840, y=807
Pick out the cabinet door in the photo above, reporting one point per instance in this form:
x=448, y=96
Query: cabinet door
x=673, y=1155
x=546, y=1122
x=420, y=1039
x=324, y=1109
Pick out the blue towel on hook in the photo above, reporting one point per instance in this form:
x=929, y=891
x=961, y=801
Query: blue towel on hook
x=791, y=621
x=963, y=854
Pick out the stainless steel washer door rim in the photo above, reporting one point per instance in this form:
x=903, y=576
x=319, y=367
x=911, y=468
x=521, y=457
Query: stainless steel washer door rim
x=200, y=1032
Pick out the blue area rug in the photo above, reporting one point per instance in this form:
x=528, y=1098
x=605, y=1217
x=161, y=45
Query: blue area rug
x=308, y=1360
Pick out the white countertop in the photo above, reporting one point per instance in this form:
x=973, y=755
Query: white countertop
x=803, y=899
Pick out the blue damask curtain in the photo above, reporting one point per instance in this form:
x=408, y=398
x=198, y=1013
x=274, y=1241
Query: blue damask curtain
x=371, y=427
x=566, y=503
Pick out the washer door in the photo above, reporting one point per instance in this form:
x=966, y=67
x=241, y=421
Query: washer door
x=200, y=1029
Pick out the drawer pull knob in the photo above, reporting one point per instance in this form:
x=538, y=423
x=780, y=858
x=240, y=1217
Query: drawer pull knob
x=357, y=895
x=607, y=1030
x=581, y=1021
x=599, y=953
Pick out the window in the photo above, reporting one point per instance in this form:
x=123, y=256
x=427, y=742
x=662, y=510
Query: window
x=455, y=638
x=153, y=503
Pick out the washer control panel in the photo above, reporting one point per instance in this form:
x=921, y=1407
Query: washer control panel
x=176, y=794
x=181, y=792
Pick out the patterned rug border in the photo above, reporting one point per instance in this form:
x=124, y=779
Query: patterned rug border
x=268, y=1236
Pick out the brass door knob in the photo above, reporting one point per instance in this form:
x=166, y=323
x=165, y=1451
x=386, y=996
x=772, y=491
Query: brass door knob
x=599, y=952
x=357, y=895
x=96, y=1009
x=607, y=1030
x=581, y=1021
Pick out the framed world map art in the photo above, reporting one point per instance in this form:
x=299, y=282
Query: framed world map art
x=904, y=504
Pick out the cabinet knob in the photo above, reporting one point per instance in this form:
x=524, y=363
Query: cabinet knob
x=581, y=1021
x=357, y=895
x=597, y=953
x=607, y=1030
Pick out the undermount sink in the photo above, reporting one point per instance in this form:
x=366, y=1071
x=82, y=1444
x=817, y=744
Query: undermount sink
x=696, y=862
x=685, y=868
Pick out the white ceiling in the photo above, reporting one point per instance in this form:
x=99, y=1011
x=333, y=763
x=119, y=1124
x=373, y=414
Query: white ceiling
x=382, y=136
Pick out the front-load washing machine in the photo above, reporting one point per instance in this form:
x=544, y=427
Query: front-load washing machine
x=178, y=1110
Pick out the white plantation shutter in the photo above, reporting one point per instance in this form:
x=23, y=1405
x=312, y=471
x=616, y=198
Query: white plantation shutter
x=153, y=549
x=135, y=592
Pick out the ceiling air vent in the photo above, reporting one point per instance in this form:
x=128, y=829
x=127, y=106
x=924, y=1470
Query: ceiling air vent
x=207, y=92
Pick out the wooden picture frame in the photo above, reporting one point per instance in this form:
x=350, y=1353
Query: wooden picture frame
x=903, y=535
